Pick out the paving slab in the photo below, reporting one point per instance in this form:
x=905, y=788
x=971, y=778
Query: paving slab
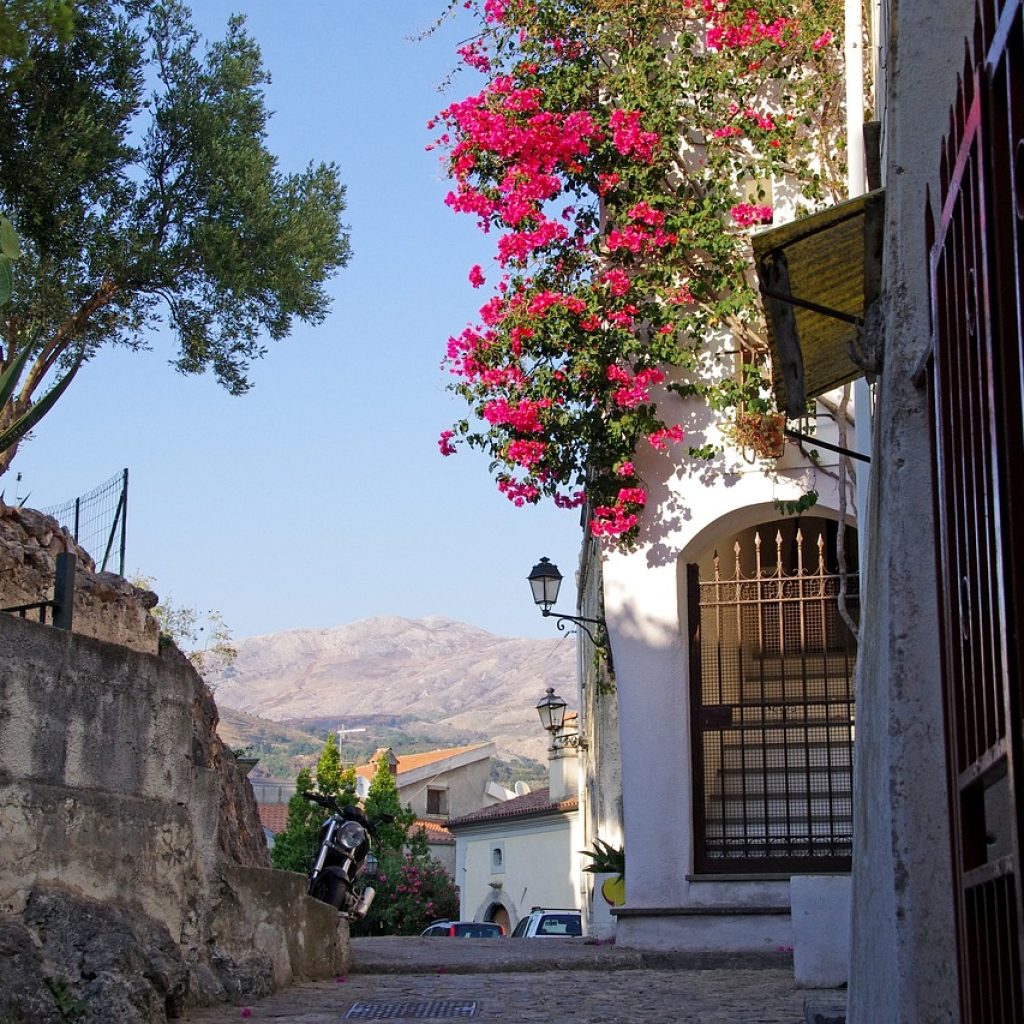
x=533, y=982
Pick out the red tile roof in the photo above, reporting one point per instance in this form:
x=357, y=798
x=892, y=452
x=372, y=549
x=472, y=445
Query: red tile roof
x=437, y=834
x=537, y=802
x=410, y=762
x=273, y=816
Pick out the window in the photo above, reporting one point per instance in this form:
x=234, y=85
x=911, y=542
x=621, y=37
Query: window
x=497, y=858
x=437, y=802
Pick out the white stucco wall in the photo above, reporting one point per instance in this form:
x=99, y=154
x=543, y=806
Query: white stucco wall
x=540, y=866
x=692, y=506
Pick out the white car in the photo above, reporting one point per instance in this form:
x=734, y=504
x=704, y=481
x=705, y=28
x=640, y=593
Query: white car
x=547, y=924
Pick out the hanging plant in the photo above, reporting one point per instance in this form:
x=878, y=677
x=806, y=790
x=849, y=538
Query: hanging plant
x=761, y=433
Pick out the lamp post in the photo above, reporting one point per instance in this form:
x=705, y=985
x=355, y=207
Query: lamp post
x=551, y=709
x=545, y=581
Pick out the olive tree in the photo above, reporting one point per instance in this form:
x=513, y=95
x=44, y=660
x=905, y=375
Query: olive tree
x=134, y=167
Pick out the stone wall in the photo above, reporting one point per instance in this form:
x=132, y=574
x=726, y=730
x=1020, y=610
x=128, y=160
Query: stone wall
x=133, y=877
x=107, y=606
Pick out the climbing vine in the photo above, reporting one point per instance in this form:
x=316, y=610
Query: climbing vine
x=619, y=153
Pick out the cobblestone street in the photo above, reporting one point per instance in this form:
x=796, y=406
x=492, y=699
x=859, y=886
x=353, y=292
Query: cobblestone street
x=534, y=982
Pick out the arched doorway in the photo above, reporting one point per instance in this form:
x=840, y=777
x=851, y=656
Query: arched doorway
x=772, y=701
x=499, y=915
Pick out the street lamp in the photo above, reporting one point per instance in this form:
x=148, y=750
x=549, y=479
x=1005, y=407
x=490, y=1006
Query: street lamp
x=371, y=866
x=545, y=581
x=551, y=709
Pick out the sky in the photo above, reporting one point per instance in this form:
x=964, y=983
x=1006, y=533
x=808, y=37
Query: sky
x=320, y=497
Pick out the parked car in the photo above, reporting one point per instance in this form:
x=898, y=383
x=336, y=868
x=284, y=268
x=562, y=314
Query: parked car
x=545, y=924
x=465, y=929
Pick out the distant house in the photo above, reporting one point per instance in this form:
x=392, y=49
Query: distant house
x=517, y=855
x=522, y=853
x=273, y=818
x=437, y=785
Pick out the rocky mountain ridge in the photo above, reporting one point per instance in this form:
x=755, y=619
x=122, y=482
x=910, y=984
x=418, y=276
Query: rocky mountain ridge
x=434, y=672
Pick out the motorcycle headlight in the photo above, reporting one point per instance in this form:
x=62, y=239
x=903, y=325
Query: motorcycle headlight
x=350, y=835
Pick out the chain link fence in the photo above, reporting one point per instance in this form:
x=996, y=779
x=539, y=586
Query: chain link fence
x=97, y=521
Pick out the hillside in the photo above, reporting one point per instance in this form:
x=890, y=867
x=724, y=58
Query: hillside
x=407, y=682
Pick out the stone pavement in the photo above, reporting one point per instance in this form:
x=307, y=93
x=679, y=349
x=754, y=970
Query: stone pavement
x=536, y=982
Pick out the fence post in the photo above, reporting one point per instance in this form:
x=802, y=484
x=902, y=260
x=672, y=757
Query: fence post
x=64, y=591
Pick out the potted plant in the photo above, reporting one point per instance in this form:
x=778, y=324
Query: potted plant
x=611, y=861
x=763, y=433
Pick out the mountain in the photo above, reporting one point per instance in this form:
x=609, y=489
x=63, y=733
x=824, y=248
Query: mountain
x=430, y=680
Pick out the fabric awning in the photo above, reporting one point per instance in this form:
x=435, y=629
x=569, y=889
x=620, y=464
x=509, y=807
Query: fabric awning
x=818, y=276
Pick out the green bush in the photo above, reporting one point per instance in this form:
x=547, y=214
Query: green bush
x=413, y=889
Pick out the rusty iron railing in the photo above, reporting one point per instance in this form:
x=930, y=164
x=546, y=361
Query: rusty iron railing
x=772, y=699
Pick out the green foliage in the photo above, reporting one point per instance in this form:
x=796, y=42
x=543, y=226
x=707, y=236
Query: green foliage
x=605, y=859
x=135, y=169
x=508, y=771
x=295, y=846
x=795, y=508
x=24, y=21
x=203, y=637
x=413, y=889
x=383, y=799
x=10, y=250
x=68, y=1005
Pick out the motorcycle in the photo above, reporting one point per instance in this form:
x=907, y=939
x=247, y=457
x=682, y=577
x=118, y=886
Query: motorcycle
x=344, y=845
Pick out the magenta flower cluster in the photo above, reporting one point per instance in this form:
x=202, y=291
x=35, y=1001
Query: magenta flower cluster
x=596, y=282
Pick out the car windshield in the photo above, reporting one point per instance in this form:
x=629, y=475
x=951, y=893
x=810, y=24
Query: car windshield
x=560, y=924
x=477, y=930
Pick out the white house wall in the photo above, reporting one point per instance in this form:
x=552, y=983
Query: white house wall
x=691, y=507
x=540, y=866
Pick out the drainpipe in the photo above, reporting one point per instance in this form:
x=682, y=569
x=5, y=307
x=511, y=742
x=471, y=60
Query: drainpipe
x=856, y=175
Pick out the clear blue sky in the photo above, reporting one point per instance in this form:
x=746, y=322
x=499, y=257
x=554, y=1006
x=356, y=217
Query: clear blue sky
x=320, y=498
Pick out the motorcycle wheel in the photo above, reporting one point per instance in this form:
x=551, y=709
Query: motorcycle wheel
x=332, y=888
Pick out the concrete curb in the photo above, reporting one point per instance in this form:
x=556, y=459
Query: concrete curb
x=409, y=955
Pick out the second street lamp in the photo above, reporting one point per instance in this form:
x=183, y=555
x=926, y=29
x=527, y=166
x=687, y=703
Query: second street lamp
x=551, y=709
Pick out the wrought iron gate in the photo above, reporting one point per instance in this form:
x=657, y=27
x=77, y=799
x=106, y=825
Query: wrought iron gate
x=977, y=382
x=772, y=684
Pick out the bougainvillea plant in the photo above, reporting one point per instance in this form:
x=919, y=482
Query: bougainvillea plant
x=619, y=155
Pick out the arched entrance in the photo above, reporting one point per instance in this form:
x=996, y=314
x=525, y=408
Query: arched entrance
x=499, y=915
x=772, y=702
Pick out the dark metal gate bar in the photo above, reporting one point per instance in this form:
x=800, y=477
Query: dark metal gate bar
x=976, y=379
x=772, y=702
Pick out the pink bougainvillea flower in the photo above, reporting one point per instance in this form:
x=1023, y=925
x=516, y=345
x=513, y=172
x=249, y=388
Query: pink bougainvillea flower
x=617, y=281
x=632, y=496
x=747, y=215
x=476, y=276
x=660, y=438
x=526, y=453
x=570, y=500
x=246, y=1012
x=444, y=442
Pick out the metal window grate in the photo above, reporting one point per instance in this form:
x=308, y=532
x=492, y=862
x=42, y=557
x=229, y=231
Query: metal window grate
x=774, y=708
x=433, y=1009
